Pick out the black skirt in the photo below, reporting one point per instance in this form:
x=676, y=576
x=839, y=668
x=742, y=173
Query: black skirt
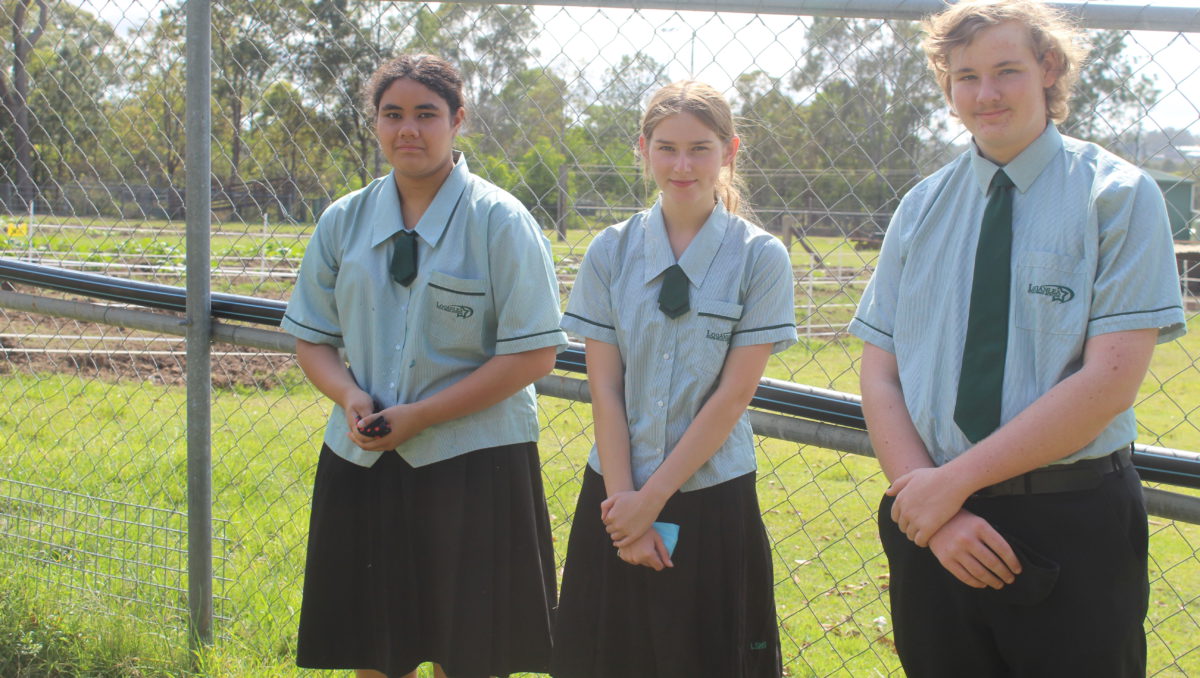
x=713, y=614
x=450, y=562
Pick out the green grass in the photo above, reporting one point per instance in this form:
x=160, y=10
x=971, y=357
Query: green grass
x=125, y=442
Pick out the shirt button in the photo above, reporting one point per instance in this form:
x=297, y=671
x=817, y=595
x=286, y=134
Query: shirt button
x=658, y=450
x=392, y=385
x=660, y=403
x=666, y=356
x=397, y=347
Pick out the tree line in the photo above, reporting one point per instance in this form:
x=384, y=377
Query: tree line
x=848, y=129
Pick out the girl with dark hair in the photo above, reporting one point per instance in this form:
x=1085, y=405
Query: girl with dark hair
x=425, y=308
x=681, y=307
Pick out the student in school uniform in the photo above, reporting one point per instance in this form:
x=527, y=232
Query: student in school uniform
x=425, y=307
x=681, y=307
x=1011, y=318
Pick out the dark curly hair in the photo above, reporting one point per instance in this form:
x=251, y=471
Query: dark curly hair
x=433, y=72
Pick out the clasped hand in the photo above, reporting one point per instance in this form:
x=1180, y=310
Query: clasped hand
x=926, y=499
x=628, y=515
x=360, y=410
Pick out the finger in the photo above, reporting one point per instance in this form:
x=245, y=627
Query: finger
x=994, y=565
x=920, y=537
x=960, y=573
x=982, y=572
x=661, y=549
x=1001, y=548
x=895, y=487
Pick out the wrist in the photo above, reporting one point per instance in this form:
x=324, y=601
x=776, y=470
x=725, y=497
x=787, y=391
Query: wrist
x=958, y=479
x=654, y=492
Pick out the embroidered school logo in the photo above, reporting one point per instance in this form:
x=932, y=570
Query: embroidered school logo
x=758, y=645
x=457, y=309
x=1058, y=293
x=718, y=336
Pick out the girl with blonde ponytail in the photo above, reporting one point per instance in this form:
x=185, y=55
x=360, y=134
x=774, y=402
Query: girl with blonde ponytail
x=668, y=570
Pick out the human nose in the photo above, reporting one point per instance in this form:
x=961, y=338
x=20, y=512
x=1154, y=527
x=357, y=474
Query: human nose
x=682, y=162
x=988, y=91
x=408, y=127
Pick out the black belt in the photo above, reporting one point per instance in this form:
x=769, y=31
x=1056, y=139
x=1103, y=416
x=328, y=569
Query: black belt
x=1085, y=474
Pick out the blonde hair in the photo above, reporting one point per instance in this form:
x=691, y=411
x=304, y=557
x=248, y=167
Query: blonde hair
x=1050, y=31
x=711, y=109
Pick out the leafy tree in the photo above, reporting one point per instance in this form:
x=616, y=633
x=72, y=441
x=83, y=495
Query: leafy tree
x=871, y=110
x=14, y=95
x=488, y=43
x=1113, y=95
x=343, y=48
x=73, y=71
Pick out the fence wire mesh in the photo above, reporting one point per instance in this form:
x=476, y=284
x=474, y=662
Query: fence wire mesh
x=839, y=118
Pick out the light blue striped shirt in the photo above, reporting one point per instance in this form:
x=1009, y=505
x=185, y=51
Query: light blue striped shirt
x=1092, y=254
x=485, y=286
x=740, y=294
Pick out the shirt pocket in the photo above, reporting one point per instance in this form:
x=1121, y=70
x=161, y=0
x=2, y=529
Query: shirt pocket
x=1050, y=297
x=708, y=344
x=455, y=311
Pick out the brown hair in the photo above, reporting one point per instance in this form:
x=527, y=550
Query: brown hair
x=707, y=104
x=1050, y=31
x=433, y=72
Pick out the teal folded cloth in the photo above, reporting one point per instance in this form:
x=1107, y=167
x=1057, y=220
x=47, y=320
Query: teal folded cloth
x=670, y=535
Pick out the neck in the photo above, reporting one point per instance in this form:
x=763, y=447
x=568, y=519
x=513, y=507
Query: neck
x=684, y=221
x=417, y=193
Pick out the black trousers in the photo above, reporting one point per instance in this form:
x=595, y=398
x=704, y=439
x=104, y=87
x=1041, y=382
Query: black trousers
x=1076, y=609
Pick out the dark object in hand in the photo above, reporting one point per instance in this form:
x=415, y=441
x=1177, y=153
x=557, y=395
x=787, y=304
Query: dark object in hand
x=377, y=428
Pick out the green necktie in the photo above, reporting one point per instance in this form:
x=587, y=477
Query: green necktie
x=673, y=297
x=404, y=258
x=981, y=380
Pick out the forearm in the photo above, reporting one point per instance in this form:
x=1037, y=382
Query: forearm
x=606, y=383
x=713, y=423
x=898, y=446
x=325, y=369
x=495, y=380
x=1066, y=418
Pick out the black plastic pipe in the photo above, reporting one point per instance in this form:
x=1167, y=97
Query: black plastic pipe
x=782, y=397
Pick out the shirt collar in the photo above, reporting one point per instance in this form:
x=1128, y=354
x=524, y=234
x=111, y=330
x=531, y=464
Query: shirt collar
x=386, y=215
x=1024, y=168
x=700, y=252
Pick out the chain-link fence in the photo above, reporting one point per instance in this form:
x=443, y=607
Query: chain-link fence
x=839, y=118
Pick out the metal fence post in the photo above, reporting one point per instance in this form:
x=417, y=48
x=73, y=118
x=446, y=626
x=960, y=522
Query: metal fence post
x=199, y=383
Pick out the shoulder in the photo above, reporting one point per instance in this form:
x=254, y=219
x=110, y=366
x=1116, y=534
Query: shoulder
x=618, y=239
x=351, y=209
x=348, y=215
x=950, y=180
x=486, y=200
x=1114, y=182
x=758, y=244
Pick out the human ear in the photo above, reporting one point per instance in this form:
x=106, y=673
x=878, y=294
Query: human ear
x=1051, y=68
x=459, y=116
x=731, y=150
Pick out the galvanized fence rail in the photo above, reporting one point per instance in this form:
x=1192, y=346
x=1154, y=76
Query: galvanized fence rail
x=839, y=119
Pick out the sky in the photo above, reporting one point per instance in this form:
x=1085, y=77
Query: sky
x=717, y=47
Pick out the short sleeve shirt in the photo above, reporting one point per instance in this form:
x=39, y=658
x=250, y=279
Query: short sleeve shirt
x=740, y=294
x=1092, y=254
x=485, y=286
